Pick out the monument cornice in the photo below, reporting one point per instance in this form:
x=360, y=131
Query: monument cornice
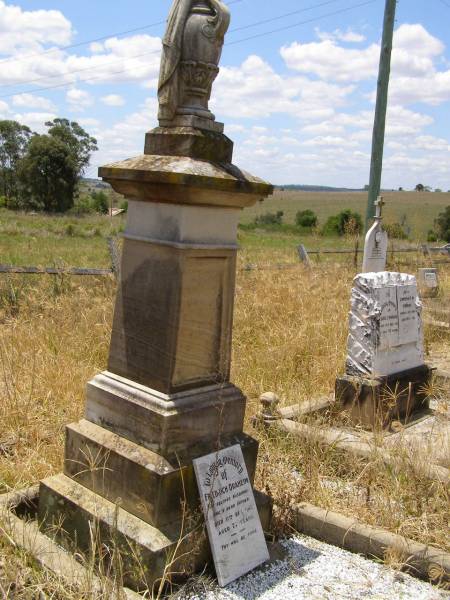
x=184, y=180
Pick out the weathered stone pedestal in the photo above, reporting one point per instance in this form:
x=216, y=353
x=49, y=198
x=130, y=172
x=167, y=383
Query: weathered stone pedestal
x=128, y=483
x=376, y=402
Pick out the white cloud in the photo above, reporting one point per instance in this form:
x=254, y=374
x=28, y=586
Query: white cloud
x=79, y=100
x=126, y=138
x=113, y=100
x=415, y=76
x=33, y=101
x=35, y=120
x=329, y=61
x=29, y=30
x=4, y=109
x=348, y=36
x=255, y=90
x=133, y=58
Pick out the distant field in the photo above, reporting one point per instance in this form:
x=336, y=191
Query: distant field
x=420, y=208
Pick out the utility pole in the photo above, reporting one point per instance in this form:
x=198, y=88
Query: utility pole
x=379, y=127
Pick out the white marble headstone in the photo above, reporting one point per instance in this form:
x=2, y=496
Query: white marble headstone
x=385, y=325
x=375, y=249
x=232, y=520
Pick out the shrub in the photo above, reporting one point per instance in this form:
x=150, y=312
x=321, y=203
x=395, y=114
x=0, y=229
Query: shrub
x=3, y=201
x=442, y=225
x=70, y=230
x=345, y=222
x=269, y=218
x=395, y=231
x=306, y=218
x=100, y=202
x=82, y=206
x=124, y=205
x=432, y=237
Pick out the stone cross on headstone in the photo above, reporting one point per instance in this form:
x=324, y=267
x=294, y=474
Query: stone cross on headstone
x=376, y=244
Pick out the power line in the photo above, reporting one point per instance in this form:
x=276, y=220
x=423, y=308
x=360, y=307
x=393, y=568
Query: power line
x=88, y=79
x=337, y=12
x=249, y=26
x=93, y=40
x=290, y=14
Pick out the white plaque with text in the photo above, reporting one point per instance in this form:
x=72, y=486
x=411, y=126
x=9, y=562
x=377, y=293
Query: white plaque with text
x=234, y=528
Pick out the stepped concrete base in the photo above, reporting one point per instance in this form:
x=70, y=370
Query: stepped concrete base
x=148, y=485
x=82, y=521
x=377, y=402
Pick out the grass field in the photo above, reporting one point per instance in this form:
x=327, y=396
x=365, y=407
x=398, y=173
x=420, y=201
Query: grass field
x=419, y=209
x=290, y=333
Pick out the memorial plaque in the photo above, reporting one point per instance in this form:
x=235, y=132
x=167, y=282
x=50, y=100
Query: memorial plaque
x=234, y=528
x=431, y=279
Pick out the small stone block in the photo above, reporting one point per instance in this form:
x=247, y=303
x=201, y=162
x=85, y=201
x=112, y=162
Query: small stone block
x=186, y=141
x=149, y=486
x=375, y=403
x=83, y=521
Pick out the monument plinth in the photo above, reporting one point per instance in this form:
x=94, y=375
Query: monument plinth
x=166, y=396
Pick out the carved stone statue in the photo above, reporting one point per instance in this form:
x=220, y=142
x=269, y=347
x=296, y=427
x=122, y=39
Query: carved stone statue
x=192, y=47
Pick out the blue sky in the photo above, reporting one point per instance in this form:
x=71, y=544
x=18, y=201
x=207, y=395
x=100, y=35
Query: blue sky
x=298, y=102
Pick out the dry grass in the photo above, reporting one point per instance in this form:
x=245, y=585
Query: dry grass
x=290, y=334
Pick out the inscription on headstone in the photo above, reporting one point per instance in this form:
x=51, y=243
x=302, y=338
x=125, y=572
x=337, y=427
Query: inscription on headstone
x=232, y=520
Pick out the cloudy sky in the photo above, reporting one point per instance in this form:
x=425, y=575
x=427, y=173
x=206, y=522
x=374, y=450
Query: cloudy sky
x=296, y=89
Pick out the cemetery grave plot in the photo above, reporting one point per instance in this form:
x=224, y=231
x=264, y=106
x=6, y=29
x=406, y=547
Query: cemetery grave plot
x=290, y=331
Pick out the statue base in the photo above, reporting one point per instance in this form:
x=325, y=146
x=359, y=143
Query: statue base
x=200, y=144
x=193, y=121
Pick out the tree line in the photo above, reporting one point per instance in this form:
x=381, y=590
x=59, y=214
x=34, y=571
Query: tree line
x=42, y=171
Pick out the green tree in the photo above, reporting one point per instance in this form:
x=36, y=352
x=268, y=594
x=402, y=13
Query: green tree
x=306, y=218
x=48, y=175
x=80, y=144
x=14, y=140
x=442, y=225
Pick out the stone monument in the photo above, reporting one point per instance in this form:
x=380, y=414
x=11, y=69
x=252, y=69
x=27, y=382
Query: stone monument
x=386, y=377
x=166, y=396
x=376, y=243
x=428, y=279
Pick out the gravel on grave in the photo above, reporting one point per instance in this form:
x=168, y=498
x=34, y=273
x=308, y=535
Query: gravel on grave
x=313, y=570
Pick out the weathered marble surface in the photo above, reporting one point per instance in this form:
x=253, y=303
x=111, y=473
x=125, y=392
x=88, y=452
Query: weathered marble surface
x=375, y=249
x=234, y=528
x=385, y=325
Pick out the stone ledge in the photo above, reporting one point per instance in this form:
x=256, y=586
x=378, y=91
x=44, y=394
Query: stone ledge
x=184, y=180
x=187, y=425
x=25, y=534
